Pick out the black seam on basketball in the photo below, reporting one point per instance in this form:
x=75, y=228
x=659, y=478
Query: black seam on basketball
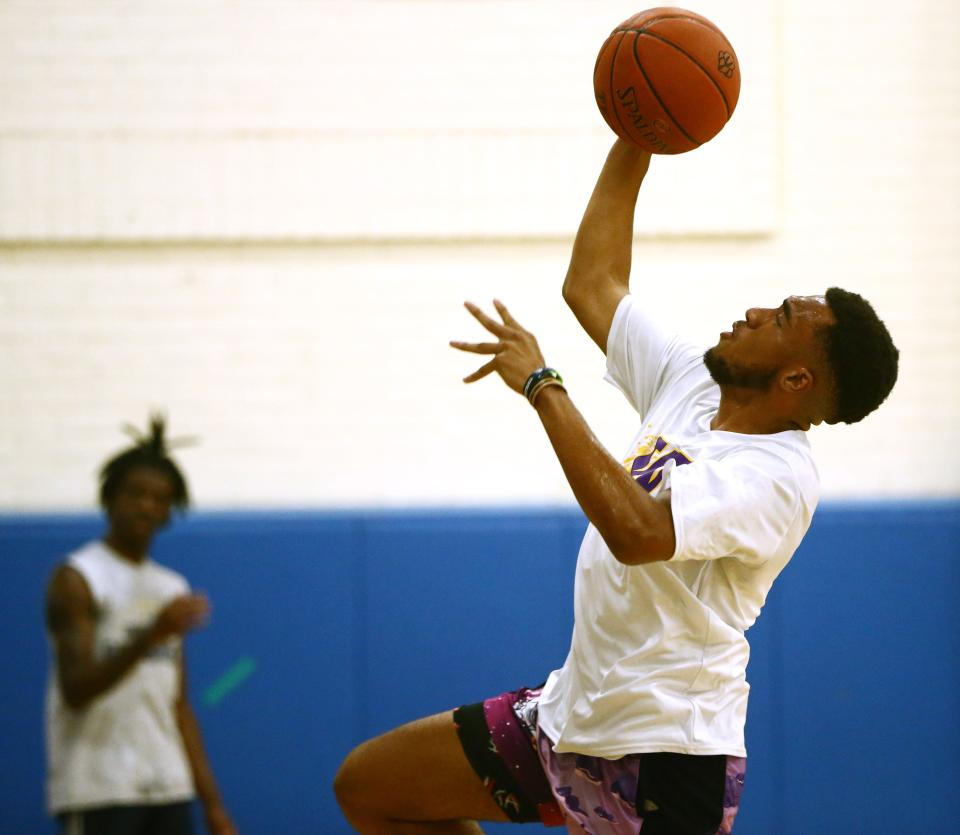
x=680, y=49
x=658, y=18
x=656, y=95
x=602, y=50
x=613, y=66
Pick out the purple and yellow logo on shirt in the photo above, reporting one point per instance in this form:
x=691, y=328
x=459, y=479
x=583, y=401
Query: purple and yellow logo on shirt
x=651, y=456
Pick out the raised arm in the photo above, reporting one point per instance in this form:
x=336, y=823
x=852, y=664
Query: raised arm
x=599, y=273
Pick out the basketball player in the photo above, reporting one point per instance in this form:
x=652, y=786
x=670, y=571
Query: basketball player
x=642, y=729
x=125, y=756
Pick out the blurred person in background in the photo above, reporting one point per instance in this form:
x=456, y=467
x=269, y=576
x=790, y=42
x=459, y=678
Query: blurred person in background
x=124, y=750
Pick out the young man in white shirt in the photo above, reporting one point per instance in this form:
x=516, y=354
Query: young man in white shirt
x=642, y=729
x=124, y=751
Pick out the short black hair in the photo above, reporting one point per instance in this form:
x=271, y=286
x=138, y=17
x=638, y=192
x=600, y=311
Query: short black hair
x=861, y=355
x=150, y=451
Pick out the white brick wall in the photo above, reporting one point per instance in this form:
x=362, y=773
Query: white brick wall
x=185, y=192
x=329, y=120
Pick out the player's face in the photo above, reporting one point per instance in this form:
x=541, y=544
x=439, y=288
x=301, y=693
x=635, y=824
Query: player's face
x=141, y=504
x=767, y=339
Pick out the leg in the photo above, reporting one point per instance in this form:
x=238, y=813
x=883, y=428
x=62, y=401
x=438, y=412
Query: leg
x=414, y=780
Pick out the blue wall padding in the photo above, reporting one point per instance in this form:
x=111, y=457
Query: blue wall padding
x=356, y=621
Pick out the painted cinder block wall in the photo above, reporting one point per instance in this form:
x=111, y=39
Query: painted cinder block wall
x=349, y=623
x=263, y=218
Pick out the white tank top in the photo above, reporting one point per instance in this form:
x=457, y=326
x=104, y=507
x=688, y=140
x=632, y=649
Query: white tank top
x=124, y=747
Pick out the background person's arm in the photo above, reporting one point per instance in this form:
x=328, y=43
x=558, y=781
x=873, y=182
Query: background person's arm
x=71, y=619
x=215, y=813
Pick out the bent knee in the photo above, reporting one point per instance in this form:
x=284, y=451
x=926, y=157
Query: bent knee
x=353, y=783
x=347, y=779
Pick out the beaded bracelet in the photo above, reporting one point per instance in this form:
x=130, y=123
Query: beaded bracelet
x=539, y=380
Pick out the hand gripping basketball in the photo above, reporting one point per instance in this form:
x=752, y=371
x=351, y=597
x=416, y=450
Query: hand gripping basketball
x=667, y=80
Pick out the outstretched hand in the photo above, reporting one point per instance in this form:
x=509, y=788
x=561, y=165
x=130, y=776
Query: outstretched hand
x=516, y=354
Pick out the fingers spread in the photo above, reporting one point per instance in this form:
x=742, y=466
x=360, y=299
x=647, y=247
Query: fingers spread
x=481, y=372
x=505, y=314
x=490, y=324
x=509, y=334
x=478, y=347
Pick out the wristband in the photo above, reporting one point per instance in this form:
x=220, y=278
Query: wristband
x=539, y=380
x=545, y=383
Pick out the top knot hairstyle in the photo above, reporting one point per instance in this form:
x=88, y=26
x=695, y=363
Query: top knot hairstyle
x=861, y=355
x=150, y=451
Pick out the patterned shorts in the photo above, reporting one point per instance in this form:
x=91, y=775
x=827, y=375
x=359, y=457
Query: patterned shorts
x=654, y=794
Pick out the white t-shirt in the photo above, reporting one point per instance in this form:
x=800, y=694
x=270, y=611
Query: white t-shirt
x=124, y=747
x=658, y=656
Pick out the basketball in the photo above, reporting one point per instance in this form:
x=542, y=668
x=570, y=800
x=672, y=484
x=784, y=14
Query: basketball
x=667, y=80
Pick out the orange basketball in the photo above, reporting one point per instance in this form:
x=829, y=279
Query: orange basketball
x=667, y=80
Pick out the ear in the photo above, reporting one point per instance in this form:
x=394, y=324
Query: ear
x=796, y=380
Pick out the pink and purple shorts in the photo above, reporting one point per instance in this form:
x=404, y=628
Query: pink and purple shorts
x=652, y=794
